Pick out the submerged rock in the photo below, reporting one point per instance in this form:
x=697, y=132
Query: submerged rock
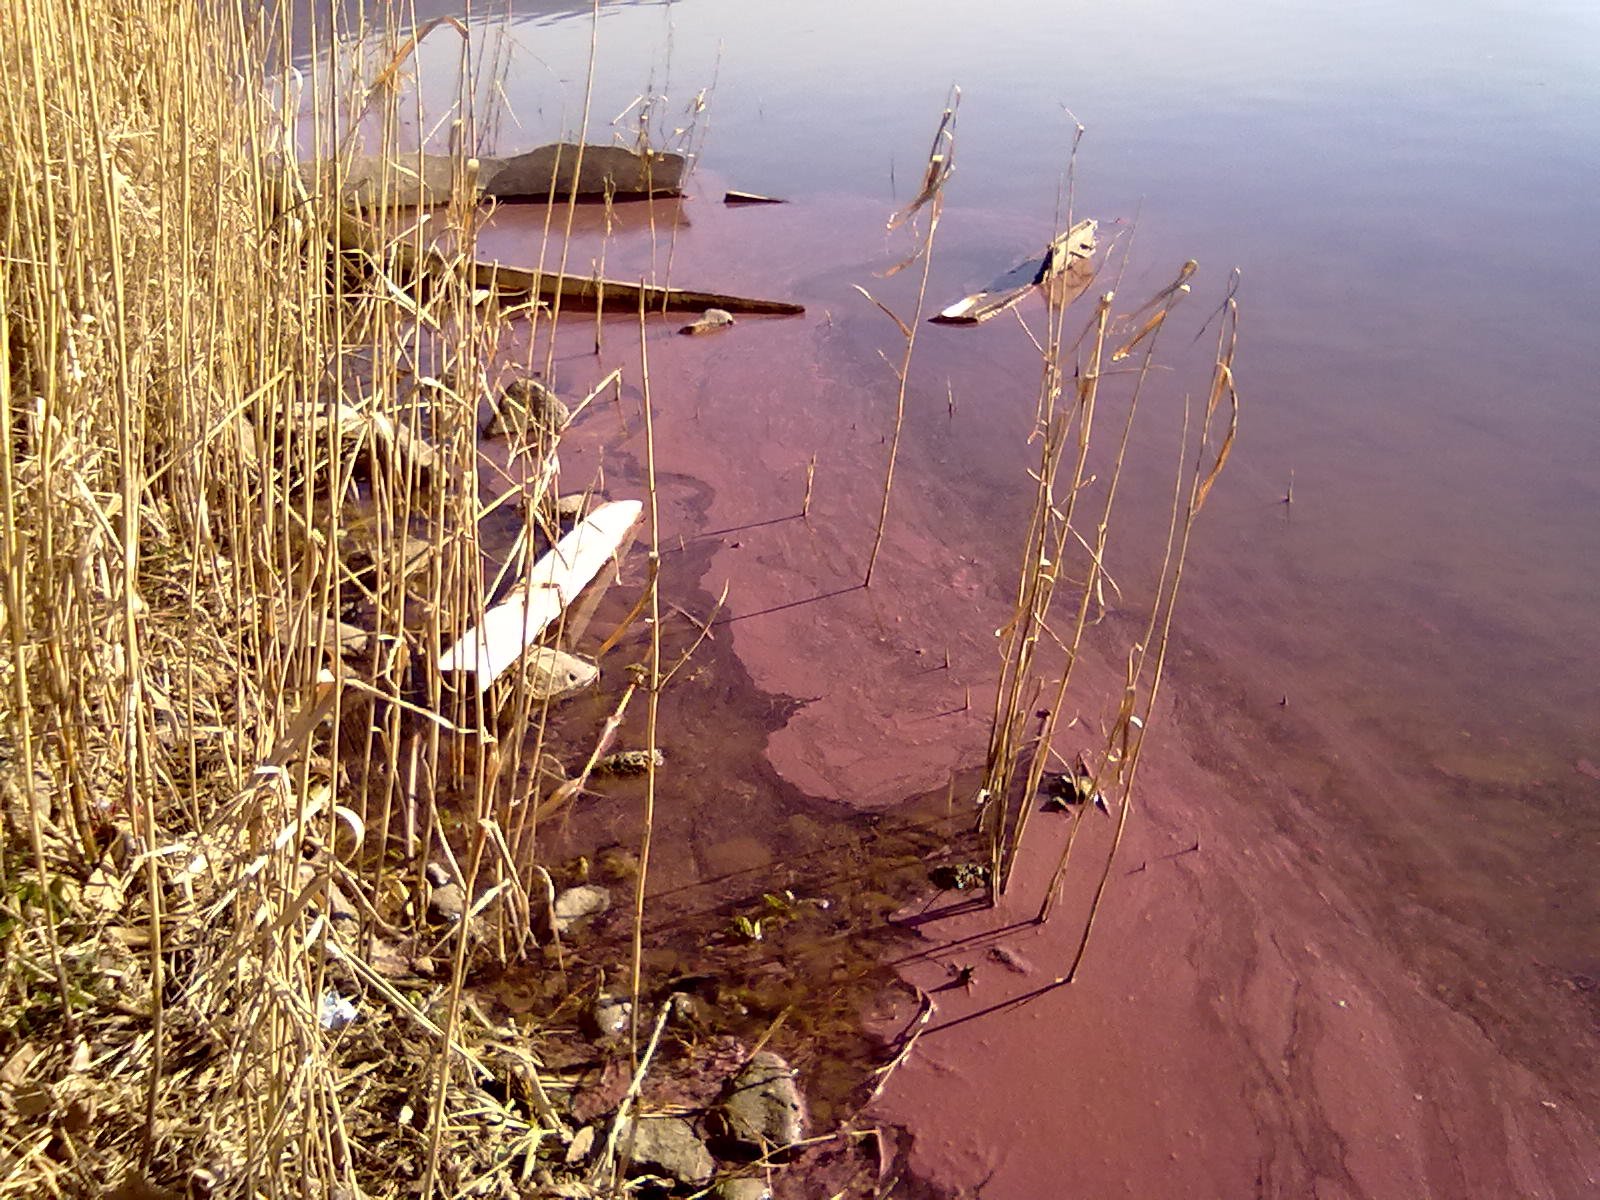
x=576, y=903
x=608, y=1016
x=713, y=320
x=667, y=1146
x=573, y=505
x=762, y=1107
x=550, y=673
x=527, y=405
x=742, y=1189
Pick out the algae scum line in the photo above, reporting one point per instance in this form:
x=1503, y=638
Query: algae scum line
x=548, y=657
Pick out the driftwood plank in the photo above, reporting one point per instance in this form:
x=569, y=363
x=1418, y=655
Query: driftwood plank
x=1065, y=270
x=517, y=283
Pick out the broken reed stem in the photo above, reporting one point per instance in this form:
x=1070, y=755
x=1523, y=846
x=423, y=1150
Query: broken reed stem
x=811, y=474
x=925, y=1011
x=572, y=195
x=653, y=698
x=939, y=167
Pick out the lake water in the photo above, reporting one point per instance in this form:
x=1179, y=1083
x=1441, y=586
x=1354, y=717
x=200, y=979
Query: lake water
x=1380, y=973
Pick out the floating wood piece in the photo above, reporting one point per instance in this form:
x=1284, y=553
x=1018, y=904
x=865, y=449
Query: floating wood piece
x=422, y=181
x=1065, y=271
x=353, y=235
x=713, y=320
x=510, y=627
x=733, y=197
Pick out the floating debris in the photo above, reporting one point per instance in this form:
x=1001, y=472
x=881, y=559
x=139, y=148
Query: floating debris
x=426, y=180
x=1065, y=271
x=959, y=877
x=1067, y=789
x=713, y=320
x=629, y=762
x=736, y=197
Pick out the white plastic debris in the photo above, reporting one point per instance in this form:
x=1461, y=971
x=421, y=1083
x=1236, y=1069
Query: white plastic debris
x=336, y=1012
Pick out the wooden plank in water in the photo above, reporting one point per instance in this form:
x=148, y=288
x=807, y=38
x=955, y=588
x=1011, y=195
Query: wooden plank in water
x=1065, y=270
x=422, y=181
x=583, y=292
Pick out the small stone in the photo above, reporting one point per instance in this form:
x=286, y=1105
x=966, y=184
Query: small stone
x=609, y=1015
x=576, y=903
x=572, y=506
x=582, y=1143
x=713, y=320
x=549, y=673
x=762, y=1107
x=742, y=1189
x=667, y=1146
x=447, y=904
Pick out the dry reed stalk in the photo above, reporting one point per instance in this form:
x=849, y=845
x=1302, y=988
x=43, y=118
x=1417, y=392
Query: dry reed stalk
x=936, y=175
x=652, y=697
x=1090, y=588
x=1211, y=456
x=172, y=339
x=1052, y=537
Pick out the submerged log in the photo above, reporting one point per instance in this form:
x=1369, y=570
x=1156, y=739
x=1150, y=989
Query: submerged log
x=421, y=181
x=584, y=292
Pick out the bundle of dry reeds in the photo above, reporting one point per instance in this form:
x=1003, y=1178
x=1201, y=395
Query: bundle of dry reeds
x=241, y=500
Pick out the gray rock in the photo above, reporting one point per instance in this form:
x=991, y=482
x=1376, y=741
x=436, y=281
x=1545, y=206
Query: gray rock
x=576, y=903
x=714, y=319
x=447, y=904
x=572, y=506
x=608, y=1016
x=667, y=1146
x=551, y=673
x=528, y=405
x=762, y=1107
x=742, y=1189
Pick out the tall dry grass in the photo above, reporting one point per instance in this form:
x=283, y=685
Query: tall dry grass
x=241, y=489
x=242, y=500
